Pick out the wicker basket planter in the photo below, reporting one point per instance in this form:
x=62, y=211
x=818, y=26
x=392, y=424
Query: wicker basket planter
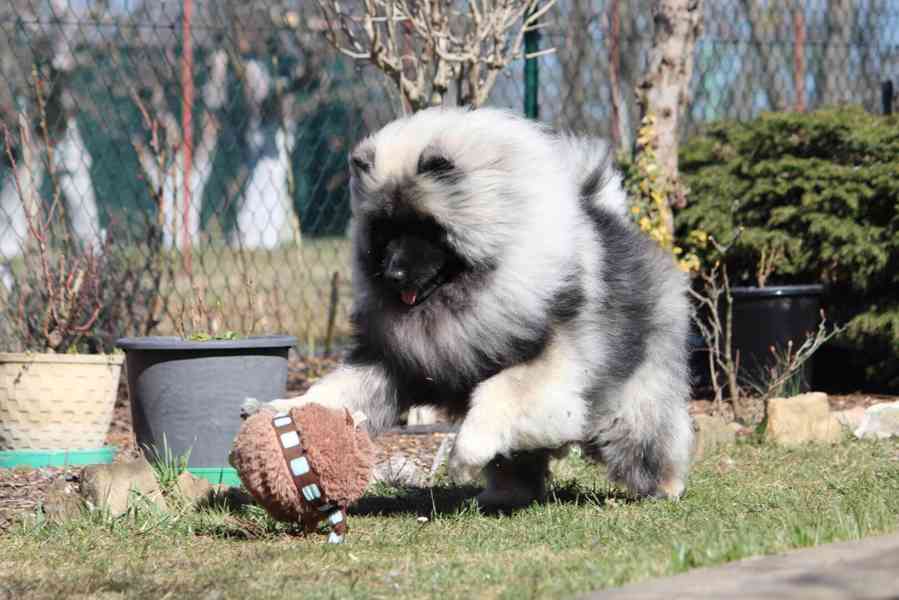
x=56, y=402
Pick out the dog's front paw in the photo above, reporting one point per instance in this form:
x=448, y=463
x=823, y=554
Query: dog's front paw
x=462, y=473
x=249, y=408
x=471, y=453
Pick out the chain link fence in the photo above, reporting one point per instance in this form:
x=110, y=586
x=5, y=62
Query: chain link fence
x=201, y=152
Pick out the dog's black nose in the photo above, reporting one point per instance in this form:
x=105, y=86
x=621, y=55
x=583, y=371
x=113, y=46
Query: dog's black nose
x=396, y=270
x=395, y=275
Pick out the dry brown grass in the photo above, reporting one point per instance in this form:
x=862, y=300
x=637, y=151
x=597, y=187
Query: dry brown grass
x=286, y=290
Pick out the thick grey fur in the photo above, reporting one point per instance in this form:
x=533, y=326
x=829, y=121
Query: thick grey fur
x=564, y=325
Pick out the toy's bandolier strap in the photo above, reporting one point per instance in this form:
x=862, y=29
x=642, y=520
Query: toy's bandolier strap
x=307, y=480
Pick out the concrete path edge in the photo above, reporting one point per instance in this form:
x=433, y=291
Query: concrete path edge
x=863, y=569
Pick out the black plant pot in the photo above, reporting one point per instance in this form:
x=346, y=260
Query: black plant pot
x=191, y=392
x=763, y=318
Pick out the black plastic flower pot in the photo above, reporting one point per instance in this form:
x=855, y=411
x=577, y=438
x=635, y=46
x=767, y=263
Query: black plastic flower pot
x=765, y=318
x=772, y=317
x=186, y=395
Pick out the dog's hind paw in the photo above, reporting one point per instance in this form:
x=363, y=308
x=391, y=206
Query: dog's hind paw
x=511, y=498
x=670, y=489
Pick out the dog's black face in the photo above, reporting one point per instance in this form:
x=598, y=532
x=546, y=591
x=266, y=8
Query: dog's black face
x=409, y=258
x=413, y=266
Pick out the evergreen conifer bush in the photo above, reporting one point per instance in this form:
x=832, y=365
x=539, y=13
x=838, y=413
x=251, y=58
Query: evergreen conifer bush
x=819, y=192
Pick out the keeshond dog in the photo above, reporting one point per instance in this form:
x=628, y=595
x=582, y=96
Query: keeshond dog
x=497, y=275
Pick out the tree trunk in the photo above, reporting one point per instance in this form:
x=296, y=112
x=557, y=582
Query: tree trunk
x=67, y=159
x=663, y=92
x=840, y=23
x=18, y=200
x=168, y=178
x=266, y=217
x=765, y=22
x=72, y=164
x=799, y=58
x=614, y=49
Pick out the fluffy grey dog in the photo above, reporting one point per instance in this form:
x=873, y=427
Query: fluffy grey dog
x=496, y=275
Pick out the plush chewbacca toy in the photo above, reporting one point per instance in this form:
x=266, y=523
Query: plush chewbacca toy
x=306, y=465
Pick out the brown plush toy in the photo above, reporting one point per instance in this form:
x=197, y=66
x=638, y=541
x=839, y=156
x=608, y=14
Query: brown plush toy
x=306, y=465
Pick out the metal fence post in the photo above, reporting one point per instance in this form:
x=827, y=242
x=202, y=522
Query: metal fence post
x=886, y=97
x=531, y=72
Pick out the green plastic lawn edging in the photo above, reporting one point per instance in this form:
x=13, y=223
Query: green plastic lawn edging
x=37, y=459
x=217, y=475
x=56, y=458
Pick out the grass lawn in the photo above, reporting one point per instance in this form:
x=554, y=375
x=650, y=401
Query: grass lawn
x=743, y=500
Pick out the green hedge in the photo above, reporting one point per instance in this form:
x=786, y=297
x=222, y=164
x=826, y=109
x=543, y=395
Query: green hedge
x=824, y=188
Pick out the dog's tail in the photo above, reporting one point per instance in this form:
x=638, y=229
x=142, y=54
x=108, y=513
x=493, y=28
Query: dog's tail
x=592, y=162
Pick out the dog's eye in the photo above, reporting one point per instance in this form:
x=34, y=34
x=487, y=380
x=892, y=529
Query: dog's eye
x=435, y=165
x=360, y=163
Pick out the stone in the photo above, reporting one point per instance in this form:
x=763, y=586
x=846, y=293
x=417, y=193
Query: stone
x=233, y=496
x=800, y=419
x=117, y=486
x=192, y=489
x=879, y=421
x=63, y=502
x=398, y=470
x=749, y=410
x=850, y=418
x=711, y=432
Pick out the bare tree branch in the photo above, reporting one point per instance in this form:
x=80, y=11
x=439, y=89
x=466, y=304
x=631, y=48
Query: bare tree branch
x=470, y=47
x=716, y=328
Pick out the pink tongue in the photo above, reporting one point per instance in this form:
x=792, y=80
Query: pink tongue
x=409, y=297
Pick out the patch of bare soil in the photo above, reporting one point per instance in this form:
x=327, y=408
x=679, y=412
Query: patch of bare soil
x=303, y=372
x=420, y=449
x=22, y=489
